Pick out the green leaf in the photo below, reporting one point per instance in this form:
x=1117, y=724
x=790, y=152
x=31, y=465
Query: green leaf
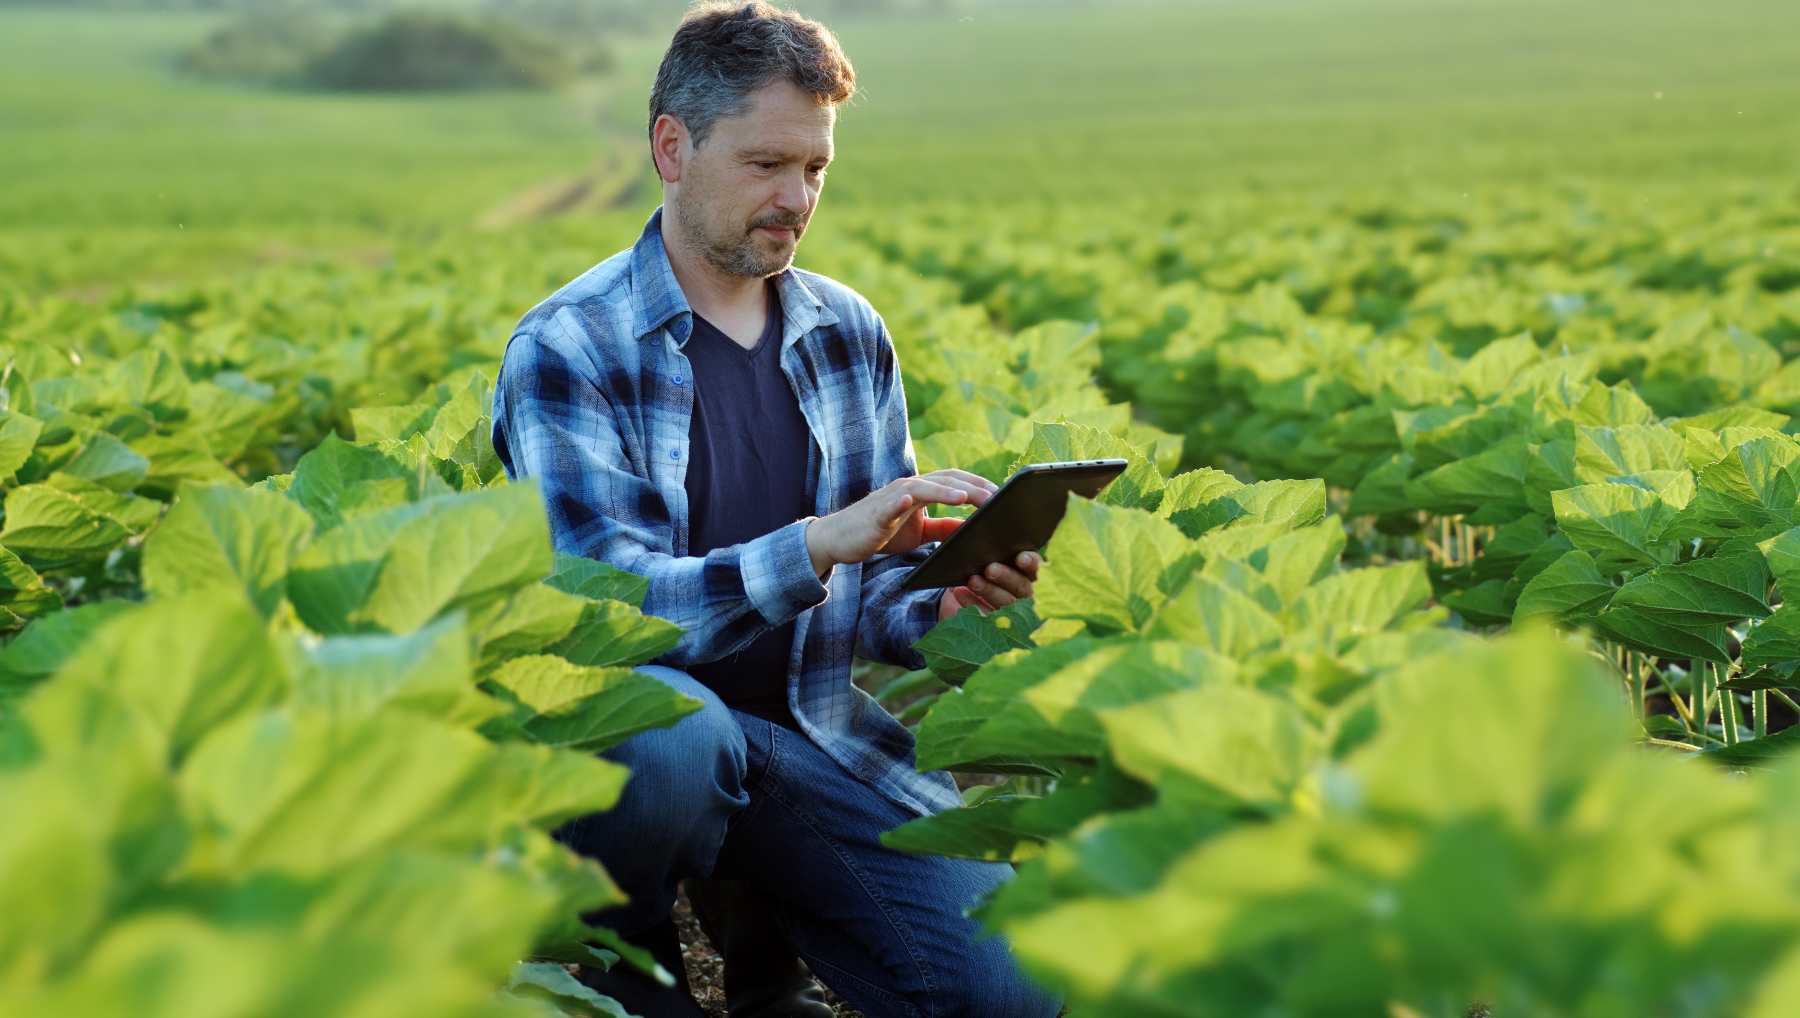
x=1383, y=489
x=1485, y=604
x=108, y=462
x=1103, y=564
x=574, y=574
x=1494, y=476
x=1210, y=613
x=1194, y=488
x=1605, y=453
x=307, y=793
x=551, y=983
x=1294, y=503
x=23, y=595
x=1570, y=590
x=1360, y=601
x=399, y=568
x=1724, y=587
x=1782, y=552
x=1775, y=642
x=185, y=665
x=1653, y=634
x=351, y=677
x=955, y=648
x=18, y=436
x=1014, y=827
x=1031, y=710
x=1224, y=746
x=1762, y=752
x=337, y=480
x=48, y=527
x=42, y=647
x=218, y=534
x=1294, y=561
x=528, y=620
x=1620, y=525
x=567, y=705
x=616, y=633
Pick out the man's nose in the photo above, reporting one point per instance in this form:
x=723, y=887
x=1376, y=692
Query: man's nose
x=795, y=197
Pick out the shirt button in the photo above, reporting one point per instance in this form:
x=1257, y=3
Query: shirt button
x=674, y=454
x=677, y=379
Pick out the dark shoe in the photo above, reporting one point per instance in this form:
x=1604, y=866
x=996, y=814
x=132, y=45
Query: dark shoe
x=638, y=993
x=764, y=976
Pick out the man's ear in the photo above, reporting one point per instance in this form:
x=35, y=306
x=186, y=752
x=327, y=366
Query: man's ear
x=667, y=139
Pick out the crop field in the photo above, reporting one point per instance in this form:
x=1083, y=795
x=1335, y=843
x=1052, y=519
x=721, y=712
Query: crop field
x=1433, y=656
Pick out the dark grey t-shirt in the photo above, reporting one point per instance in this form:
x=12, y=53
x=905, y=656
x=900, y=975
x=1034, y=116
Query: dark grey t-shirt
x=746, y=477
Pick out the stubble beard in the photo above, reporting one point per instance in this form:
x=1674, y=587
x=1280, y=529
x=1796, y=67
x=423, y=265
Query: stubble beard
x=733, y=256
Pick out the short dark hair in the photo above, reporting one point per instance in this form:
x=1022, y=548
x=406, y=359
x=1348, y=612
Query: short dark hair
x=722, y=52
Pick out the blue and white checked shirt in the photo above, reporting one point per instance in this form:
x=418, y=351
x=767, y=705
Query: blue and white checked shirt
x=593, y=401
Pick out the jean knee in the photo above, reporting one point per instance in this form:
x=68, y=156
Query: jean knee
x=686, y=780
x=698, y=763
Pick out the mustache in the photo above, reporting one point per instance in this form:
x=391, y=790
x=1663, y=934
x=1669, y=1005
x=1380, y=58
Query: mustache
x=795, y=225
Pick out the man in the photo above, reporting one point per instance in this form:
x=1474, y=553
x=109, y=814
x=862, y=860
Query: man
x=697, y=411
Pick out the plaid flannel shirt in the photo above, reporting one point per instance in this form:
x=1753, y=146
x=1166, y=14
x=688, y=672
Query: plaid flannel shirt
x=593, y=401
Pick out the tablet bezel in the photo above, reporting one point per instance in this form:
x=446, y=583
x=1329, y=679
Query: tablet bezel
x=1081, y=467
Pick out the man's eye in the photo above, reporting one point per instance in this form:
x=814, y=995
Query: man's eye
x=817, y=171
x=766, y=166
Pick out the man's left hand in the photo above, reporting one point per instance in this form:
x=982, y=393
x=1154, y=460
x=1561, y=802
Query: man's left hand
x=998, y=586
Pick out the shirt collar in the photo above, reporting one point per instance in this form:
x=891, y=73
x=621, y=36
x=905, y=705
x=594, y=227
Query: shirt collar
x=658, y=299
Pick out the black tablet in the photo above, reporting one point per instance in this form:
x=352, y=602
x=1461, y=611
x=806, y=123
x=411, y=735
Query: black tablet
x=1021, y=516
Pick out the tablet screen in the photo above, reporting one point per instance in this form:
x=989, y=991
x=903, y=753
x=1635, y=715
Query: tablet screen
x=1020, y=516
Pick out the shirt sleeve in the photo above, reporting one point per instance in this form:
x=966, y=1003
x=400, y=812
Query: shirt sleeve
x=553, y=423
x=891, y=620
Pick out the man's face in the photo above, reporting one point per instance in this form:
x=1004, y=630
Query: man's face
x=746, y=195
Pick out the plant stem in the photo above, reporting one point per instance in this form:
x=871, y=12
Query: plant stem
x=1787, y=699
x=1728, y=707
x=1759, y=712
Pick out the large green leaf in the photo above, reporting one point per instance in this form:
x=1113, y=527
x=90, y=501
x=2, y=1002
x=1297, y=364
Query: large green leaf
x=1605, y=453
x=1029, y=709
x=568, y=705
x=1103, y=564
x=304, y=792
x=182, y=665
x=1014, y=827
x=1620, y=525
x=1776, y=641
x=1294, y=503
x=1570, y=590
x=218, y=534
x=1224, y=745
x=954, y=649
x=1725, y=587
x=1360, y=601
x=355, y=676
x=397, y=569
x=616, y=633
x=1493, y=476
x=1209, y=612
x=49, y=527
x=337, y=480
x=589, y=578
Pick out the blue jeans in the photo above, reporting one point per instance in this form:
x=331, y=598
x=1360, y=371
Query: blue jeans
x=724, y=793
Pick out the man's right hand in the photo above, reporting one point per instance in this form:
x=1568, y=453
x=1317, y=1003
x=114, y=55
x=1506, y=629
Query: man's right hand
x=891, y=519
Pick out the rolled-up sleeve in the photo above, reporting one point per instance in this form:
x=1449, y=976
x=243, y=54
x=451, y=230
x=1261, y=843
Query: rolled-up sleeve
x=555, y=424
x=891, y=620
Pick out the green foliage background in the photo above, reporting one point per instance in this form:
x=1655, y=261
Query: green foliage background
x=1416, y=322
